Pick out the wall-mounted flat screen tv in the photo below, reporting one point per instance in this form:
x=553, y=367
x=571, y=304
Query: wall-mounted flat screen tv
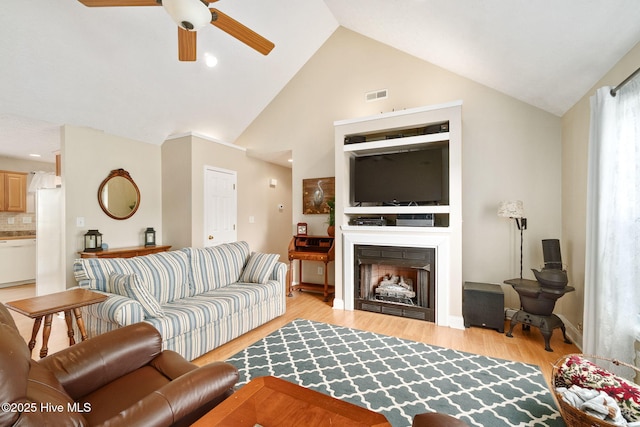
x=404, y=178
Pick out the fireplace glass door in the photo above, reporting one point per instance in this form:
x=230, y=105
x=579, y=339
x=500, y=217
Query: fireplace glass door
x=395, y=280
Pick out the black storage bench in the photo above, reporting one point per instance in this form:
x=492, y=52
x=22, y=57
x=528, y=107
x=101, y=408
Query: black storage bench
x=483, y=305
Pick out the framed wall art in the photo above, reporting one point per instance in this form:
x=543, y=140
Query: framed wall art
x=316, y=192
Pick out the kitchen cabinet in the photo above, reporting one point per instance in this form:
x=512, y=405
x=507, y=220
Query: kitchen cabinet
x=17, y=261
x=13, y=191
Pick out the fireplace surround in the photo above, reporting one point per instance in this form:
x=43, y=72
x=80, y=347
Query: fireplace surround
x=395, y=280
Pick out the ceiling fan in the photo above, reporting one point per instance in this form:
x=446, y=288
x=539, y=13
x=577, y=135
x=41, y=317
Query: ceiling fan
x=191, y=15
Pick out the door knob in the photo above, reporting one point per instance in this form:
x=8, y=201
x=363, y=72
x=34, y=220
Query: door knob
x=210, y=237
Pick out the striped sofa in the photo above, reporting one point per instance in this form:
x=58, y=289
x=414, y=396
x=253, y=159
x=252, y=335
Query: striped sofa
x=198, y=298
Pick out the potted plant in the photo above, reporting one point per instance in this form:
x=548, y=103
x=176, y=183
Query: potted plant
x=331, y=230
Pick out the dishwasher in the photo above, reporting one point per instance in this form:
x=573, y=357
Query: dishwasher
x=17, y=261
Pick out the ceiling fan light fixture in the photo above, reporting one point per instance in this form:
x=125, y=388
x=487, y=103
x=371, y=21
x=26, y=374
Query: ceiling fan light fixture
x=210, y=60
x=188, y=14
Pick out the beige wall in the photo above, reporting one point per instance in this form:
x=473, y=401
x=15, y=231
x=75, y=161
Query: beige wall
x=575, y=142
x=511, y=150
x=184, y=160
x=88, y=156
x=176, y=191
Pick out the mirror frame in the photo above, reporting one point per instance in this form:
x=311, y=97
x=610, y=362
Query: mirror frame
x=114, y=174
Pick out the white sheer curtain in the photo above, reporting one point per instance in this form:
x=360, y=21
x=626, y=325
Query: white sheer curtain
x=612, y=276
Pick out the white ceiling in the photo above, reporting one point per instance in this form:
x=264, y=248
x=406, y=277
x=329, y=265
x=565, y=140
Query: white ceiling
x=116, y=69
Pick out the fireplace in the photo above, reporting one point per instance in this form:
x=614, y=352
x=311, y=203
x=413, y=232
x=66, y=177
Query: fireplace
x=395, y=280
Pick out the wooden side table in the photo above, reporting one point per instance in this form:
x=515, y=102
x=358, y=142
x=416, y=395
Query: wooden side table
x=48, y=305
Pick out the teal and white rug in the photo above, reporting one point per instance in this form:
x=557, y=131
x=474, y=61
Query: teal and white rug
x=401, y=378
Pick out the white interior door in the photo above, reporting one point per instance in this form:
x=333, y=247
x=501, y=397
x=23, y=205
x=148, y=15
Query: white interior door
x=220, y=206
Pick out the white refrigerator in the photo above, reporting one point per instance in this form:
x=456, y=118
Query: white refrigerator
x=50, y=247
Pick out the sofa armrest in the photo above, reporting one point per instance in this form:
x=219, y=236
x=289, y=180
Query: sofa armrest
x=117, y=309
x=279, y=272
x=183, y=400
x=90, y=364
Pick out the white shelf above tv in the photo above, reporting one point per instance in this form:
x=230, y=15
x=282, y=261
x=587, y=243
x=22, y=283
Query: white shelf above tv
x=393, y=229
x=395, y=144
x=391, y=210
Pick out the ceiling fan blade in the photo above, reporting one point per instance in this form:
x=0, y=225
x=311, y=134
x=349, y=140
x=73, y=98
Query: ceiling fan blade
x=240, y=32
x=109, y=3
x=187, y=45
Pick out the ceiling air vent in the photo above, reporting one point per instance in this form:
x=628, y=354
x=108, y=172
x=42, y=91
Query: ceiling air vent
x=376, y=95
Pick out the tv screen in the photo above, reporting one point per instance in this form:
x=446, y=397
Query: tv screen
x=400, y=178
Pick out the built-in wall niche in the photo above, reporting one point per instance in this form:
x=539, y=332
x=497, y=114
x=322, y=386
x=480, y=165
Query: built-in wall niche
x=406, y=176
x=399, y=176
x=428, y=225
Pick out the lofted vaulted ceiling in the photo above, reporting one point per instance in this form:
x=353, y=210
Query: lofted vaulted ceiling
x=116, y=69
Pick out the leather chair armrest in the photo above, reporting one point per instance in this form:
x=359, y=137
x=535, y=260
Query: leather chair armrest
x=90, y=364
x=172, y=365
x=183, y=400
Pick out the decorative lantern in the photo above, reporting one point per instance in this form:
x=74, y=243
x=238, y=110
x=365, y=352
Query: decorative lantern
x=150, y=237
x=93, y=241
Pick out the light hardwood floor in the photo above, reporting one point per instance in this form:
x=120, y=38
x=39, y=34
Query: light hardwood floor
x=525, y=346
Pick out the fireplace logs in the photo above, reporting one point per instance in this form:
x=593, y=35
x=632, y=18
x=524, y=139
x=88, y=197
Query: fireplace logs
x=395, y=289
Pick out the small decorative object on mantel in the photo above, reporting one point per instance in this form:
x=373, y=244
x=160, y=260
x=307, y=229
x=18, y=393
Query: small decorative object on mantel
x=93, y=241
x=150, y=237
x=301, y=229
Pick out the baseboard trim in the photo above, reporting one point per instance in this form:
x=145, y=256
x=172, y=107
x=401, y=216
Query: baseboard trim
x=456, y=322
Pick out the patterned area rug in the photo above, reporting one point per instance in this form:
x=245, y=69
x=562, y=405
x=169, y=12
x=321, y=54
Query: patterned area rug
x=401, y=378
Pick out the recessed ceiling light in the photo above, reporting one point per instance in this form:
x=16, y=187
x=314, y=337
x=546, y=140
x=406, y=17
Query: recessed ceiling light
x=290, y=160
x=210, y=60
x=35, y=155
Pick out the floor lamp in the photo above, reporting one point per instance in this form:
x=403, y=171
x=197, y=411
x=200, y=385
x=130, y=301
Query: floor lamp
x=513, y=209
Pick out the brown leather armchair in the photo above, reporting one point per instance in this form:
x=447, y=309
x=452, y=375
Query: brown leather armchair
x=120, y=378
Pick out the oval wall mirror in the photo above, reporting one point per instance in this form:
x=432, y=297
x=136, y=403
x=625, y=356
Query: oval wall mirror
x=118, y=195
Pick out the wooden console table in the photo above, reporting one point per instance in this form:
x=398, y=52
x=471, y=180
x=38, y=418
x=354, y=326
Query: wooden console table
x=311, y=248
x=125, y=252
x=48, y=305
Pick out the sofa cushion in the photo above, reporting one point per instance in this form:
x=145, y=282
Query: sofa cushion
x=182, y=316
x=131, y=286
x=259, y=267
x=217, y=266
x=165, y=273
x=94, y=272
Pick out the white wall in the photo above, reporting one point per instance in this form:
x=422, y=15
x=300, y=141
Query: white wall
x=510, y=150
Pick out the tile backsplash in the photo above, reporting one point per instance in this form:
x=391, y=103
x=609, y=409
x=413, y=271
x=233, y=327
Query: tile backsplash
x=11, y=221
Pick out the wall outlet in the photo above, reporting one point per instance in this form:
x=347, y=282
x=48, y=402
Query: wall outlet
x=320, y=270
x=26, y=220
x=80, y=221
x=11, y=220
